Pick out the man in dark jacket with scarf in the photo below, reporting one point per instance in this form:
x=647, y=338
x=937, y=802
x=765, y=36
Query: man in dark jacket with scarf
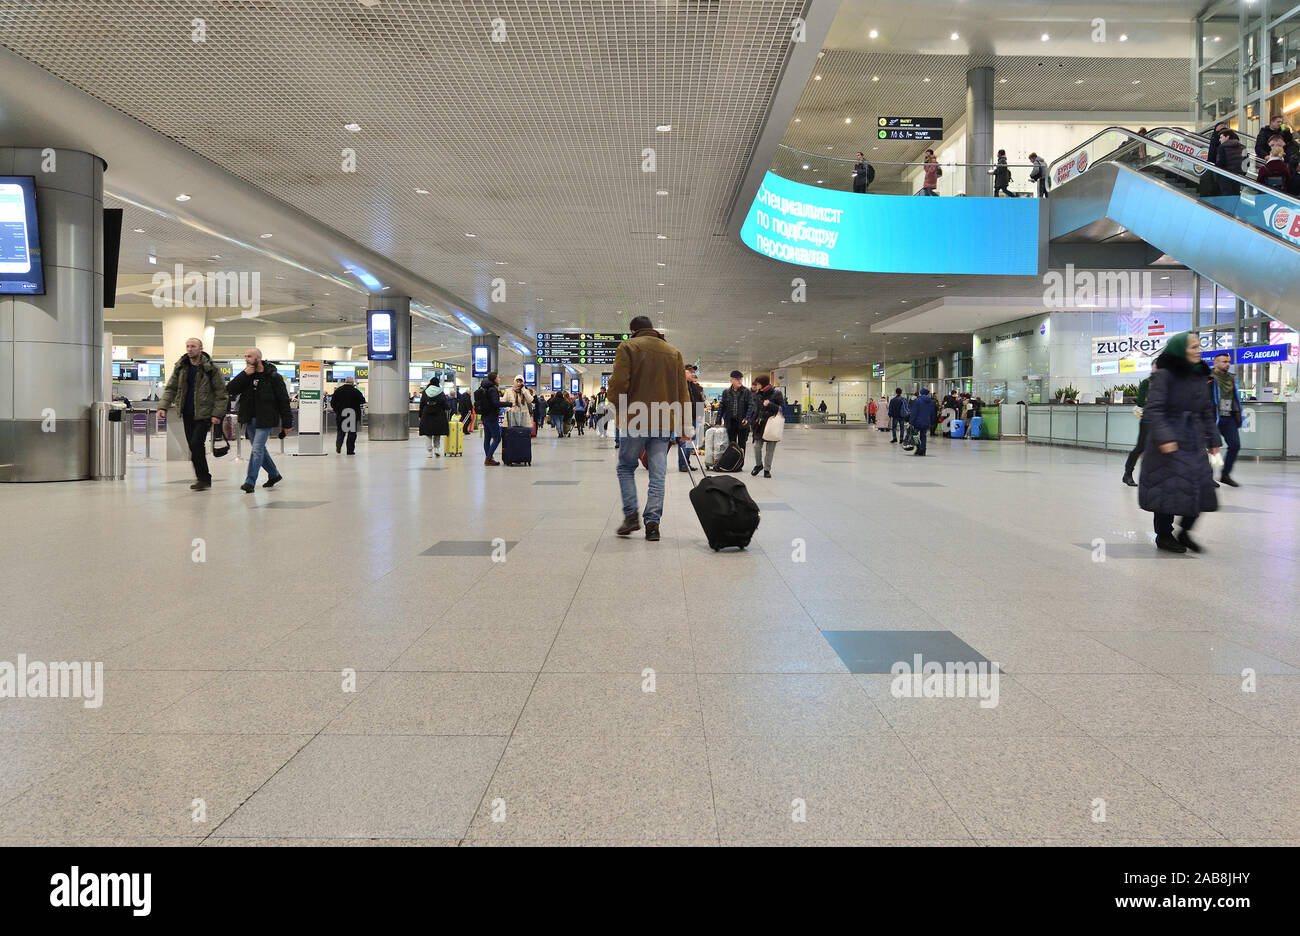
x=197, y=384
x=1181, y=423
x=737, y=409
x=263, y=406
x=1227, y=404
x=922, y=417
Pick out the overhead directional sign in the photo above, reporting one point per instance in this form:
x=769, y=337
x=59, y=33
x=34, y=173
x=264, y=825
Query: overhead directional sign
x=578, y=347
x=909, y=128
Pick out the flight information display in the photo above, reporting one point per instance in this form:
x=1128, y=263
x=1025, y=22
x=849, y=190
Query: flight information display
x=578, y=347
x=910, y=128
x=21, y=273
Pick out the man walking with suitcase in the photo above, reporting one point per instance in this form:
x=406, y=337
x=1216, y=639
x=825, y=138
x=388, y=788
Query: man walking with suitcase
x=652, y=404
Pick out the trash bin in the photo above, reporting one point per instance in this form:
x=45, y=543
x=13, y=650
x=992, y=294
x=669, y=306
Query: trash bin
x=108, y=455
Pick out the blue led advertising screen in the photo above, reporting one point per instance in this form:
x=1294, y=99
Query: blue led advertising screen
x=811, y=226
x=21, y=273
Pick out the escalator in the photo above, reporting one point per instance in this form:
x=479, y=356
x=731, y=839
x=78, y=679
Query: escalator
x=1119, y=187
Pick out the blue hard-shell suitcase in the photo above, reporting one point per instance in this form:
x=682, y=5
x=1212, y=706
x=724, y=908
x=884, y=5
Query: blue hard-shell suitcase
x=517, y=445
x=958, y=428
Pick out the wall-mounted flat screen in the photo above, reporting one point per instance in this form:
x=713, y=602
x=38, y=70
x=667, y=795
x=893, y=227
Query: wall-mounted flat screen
x=557, y=381
x=574, y=384
x=21, y=273
x=480, y=360
x=380, y=345
x=530, y=375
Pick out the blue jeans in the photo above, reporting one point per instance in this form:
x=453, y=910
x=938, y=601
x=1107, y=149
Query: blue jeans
x=1231, y=441
x=491, y=436
x=896, y=427
x=629, y=456
x=259, y=457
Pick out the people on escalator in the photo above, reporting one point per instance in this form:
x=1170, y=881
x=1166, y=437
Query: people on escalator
x=1039, y=173
x=1142, y=150
x=1274, y=128
x=1002, y=177
x=863, y=175
x=1229, y=157
x=1209, y=183
x=930, y=183
x=1274, y=172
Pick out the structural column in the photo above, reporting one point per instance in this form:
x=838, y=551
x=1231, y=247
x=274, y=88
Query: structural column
x=493, y=345
x=979, y=131
x=51, y=352
x=388, y=405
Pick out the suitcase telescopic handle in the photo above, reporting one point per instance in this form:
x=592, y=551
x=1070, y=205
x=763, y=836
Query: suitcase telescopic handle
x=689, y=473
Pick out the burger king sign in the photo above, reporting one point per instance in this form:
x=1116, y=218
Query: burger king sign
x=1284, y=221
x=1071, y=168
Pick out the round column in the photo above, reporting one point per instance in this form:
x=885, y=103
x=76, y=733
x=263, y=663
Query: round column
x=388, y=404
x=51, y=346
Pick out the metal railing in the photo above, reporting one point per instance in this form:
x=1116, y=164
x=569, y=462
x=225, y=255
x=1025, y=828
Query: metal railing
x=892, y=178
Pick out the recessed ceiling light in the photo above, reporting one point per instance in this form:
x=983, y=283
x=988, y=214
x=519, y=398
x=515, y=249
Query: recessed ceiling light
x=875, y=77
x=819, y=181
x=1078, y=81
x=1216, y=38
x=661, y=237
x=1045, y=37
x=662, y=192
x=1137, y=80
x=664, y=128
x=421, y=191
x=152, y=258
x=954, y=37
x=925, y=79
x=873, y=34
x=817, y=77
x=352, y=127
x=182, y=197
x=875, y=147
x=521, y=283
x=265, y=236
x=1002, y=81
x=139, y=230
x=657, y=263
x=664, y=284
x=798, y=120
x=805, y=165
x=1123, y=37
x=468, y=234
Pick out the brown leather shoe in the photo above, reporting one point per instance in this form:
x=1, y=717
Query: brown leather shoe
x=491, y=461
x=631, y=523
x=652, y=532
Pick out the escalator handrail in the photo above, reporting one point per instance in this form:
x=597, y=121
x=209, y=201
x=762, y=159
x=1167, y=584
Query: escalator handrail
x=1134, y=136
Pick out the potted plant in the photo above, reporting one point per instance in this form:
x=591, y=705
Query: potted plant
x=1067, y=394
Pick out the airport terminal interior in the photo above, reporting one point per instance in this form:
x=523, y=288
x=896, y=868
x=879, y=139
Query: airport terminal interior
x=324, y=325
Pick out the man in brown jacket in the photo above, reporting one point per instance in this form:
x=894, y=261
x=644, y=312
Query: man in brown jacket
x=652, y=402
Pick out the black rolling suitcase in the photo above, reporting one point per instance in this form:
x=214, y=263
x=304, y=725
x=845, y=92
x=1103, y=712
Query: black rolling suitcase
x=731, y=459
x=726, y=511
x=517, y=445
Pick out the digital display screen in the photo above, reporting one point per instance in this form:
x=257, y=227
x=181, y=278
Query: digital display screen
x=379, y=336
x=21, y=273
x=808, y=225
x=530, y=375
x=574, y=383
x=480, y=361
x=556, y=381
x=604, y=381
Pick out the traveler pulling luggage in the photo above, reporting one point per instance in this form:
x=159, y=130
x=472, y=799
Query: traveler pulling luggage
x=727, y=513
x=517, y=445
x=454, y=443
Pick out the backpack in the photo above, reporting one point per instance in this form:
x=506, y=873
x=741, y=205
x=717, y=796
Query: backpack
x=871, y=173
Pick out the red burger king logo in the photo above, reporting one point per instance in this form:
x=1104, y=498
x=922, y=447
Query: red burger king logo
x=1281, y=218
x=1083, y=160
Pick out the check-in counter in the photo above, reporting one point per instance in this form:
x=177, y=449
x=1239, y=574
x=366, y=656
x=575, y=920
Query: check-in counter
x=1113, y=427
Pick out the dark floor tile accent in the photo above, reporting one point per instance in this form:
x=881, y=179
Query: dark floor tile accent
x=556, y=482
x=465, y=548
x=293, y=505
x=877, y=651
x=919, y=484
x=775, y=506
x=1139, y=550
